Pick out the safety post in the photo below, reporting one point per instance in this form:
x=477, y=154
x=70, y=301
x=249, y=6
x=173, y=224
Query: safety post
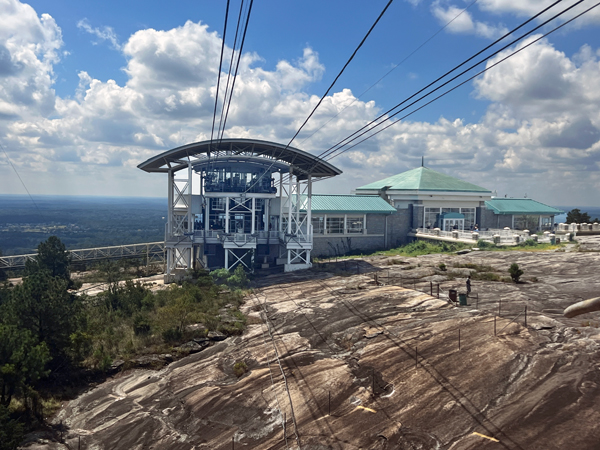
x=494, y=325
x=373, y=381
x=525, y=316
x=431, y=288
x=438, y=290
x=459, y=338
x=499, y=305
x=416, y=357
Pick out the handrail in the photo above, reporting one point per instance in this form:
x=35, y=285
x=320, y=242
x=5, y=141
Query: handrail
x=148, y=249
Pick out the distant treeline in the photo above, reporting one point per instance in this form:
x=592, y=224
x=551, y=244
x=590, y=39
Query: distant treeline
x=79, y=222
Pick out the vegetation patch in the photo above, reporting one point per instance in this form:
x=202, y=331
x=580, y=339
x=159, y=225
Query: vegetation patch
x=240, y=368
x=48, y=332
x=421, y=247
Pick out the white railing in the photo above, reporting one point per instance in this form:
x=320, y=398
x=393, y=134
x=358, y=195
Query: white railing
x=152, y=251
x=503, y=237
x=238, y=238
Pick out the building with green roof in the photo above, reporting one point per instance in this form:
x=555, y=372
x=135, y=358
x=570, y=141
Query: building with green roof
x=519, y=213
x=436, y=200
x=343, y=224
x=430, y=197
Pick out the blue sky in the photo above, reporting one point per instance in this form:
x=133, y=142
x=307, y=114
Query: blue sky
x=87, y=93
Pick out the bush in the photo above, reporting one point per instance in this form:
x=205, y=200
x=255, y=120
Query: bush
x=11, y=430
x=172, y=335
x=240, y=368
x=514, y=272
x=485, y=244
x=442, y=267
x=141, y=325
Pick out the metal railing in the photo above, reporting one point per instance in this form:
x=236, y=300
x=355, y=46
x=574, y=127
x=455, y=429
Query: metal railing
x=151, y=251
x=503, y=237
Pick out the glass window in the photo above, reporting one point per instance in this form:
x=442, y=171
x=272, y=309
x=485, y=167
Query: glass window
x=217, y=204
x=469, y=214
x=355, y=224
x=318, y=224
x=431, y=217
x=335, y=225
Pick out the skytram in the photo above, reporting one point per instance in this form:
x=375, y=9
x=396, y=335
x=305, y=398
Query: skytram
x=238, y=202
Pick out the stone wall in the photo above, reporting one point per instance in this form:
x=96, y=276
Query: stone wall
x=332, y=245
x=399, y=225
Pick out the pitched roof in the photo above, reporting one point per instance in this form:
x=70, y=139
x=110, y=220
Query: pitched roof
x=341, y=204
x=424, y=179
x=520, y=206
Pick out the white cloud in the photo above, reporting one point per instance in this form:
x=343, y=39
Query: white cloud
x=541, y=130
x=531, y=7
x=28, y=49
x=462, y=22
x=105, y=33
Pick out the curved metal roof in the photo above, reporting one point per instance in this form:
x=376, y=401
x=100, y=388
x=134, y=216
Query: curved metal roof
x=303, y=163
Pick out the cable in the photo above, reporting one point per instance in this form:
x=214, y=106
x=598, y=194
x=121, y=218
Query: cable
x=340, y=145
x=219, y=73
x=392, y=69
x=237, y=29
x=328, y=89
x=236, y=69
x=341, y=71
x=331, y=150
x=19, y=176
x=464, y=82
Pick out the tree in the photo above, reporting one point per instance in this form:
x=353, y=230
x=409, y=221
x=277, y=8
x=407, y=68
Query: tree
x=22, y=362
x=576, y=216
x=11, y=430
x=53, y=258
x=43, y=306
x=515, y=272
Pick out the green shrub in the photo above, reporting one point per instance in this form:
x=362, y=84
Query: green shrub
x=442, y=267
x=514, y=272
x=141, y=325
x=11, y=430
x=485, y=244
x=172, y=335
x=240, y=368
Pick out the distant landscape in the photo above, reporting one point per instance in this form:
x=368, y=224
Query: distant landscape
x=87, y=222
x=79, y=221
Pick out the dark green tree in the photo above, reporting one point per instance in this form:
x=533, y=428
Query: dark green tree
x=576, y=216
x=43, y=306
x=11, y=430
x=515, y=272
x=22, y=362
x=52, y=258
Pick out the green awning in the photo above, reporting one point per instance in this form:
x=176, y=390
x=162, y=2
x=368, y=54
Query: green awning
x=348, y=204
x=521, y=206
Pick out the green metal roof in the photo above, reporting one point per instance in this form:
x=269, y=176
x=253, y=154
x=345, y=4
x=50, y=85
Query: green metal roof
x=520, y=206
x=424, y=179
x=340, y=204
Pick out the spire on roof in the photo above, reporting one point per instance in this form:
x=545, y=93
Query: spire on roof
x=423, y=161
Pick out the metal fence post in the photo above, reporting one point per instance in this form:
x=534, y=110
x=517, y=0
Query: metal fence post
x=459, y=338
x=494, y=325
x=431, y=288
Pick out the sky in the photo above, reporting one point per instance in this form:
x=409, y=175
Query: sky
x=88, y=90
